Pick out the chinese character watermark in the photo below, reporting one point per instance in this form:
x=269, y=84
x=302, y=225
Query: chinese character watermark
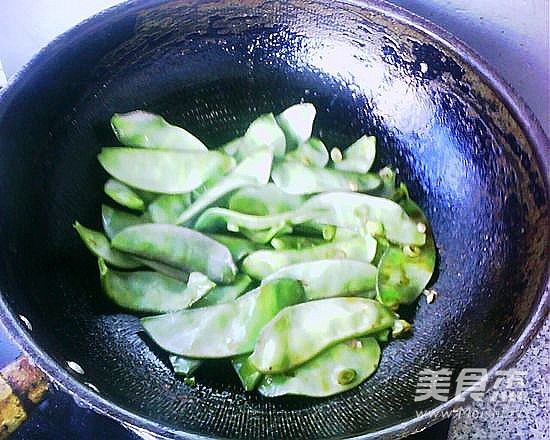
x=509, y=385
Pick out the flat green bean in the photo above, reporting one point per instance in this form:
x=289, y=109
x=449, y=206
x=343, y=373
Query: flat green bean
x=99, y=245
x=359, y=156
x=152, y=292
x=300, y=332
x=164, y=171
x=263, y=263
x=297, y=178
x=335, y=370
x=178, y=247
x=222, y=330
x=330, y=278
x=147, y=130
x=123, y=195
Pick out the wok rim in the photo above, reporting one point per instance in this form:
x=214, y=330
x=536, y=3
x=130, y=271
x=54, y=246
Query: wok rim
x=530, y=126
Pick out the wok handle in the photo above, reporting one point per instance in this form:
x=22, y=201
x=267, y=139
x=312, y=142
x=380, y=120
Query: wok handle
x=22, y=387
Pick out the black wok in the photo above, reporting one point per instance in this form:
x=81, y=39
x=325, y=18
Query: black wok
x=470, y=151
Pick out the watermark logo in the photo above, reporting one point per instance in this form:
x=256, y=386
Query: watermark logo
x=509, y=385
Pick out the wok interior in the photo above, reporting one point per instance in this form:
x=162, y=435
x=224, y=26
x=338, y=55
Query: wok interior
x=212, y=68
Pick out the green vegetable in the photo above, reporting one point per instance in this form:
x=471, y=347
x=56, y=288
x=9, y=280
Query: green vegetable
x=262, y=263
x=328, y=278
x=123, y=195
x=404, y=272
x=184, y=366
x=296, y=178
x=151, y=291
x=99, y=245
x=359, y=156
x=224, y=294
x=178, y=247
x=264, y=200
x=337, y=369
x=249, y=376
x=166, y=208
x=220, y=219
x=354, y=211
x=251, y=171
x=311, y=153
x=164, y=171
x=297, y=122
x=164, y=269
x=300, y=332
x=295, y=242
x=239, y=247
x=115, y=220
x=223, y=330
x=147, y=130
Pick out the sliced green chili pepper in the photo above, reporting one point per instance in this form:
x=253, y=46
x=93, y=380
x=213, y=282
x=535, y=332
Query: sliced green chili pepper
x=359, y=156
x=152, y=292
x=297, y=123
x=262, y=263
x=337, y=369
x=164, y=171
x=249, y=376
x=223, y=330
x=123, y=195
x=298, y=242
x=310, y=153
x=115, y=220
x=178, y=247
x=239, y=247
x=224, y=294
x=264, y=200
x=354, y=211
x=404, y=272
x=147, y=130
x=300, y=332
x=296, y=178
x=184, y=366
x=99, y=245
x=166, y=208
x=329, y=278
x=252, y=170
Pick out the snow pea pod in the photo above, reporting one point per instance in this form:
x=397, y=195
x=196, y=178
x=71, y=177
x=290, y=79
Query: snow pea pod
x=262, y=263
x=166, y=208
x=220, y=219
x=184, y=366
x=249, y=376
x=252, y=170
x=147, y=130
x=239, y=247
x=164, y=269
x=223, y=294
x=223, y=330
x=261, y=133
x=99, y=245
x=265, y=236
x=300, y=332
x=115, y=220
x=296, y=242
x=404, y=272
x=297, y=123
x=354, y=211
x=264, y=200
x=311, y=153
x=330, y=278
x=335, y=370
x=296, y=178
x=164, y=171
x=145, y=291
x=123, y=195
x=178, y=247
x=359, y=156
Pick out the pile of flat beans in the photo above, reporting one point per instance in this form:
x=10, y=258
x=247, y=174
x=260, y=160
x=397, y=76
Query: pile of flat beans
x=285, y=258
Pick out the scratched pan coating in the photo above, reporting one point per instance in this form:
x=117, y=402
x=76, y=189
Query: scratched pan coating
x=469, y=150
